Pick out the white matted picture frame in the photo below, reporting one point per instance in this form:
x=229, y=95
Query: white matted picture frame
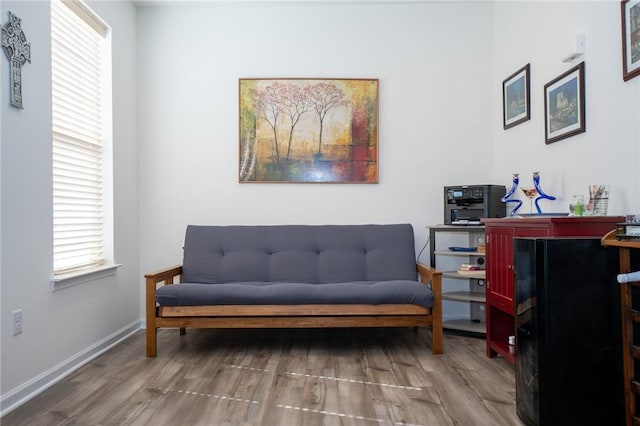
x=630, y=18
x=564, y=105
x=516, y=98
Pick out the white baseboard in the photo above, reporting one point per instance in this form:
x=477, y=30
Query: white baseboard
x=23, y=393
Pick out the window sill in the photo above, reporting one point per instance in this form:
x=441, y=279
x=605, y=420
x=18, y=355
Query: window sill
x=73, y=279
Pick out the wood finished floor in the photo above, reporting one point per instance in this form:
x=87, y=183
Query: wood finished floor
x=323, y=377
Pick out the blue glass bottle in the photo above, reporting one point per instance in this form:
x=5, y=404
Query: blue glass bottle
x=506, y=199
x=541, y=194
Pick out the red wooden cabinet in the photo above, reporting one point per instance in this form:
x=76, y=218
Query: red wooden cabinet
x=499, y=265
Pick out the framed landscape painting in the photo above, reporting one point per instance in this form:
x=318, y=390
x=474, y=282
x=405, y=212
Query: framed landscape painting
x=564, y=106
x=515, y=98
x=630, y=11
x=308, y=130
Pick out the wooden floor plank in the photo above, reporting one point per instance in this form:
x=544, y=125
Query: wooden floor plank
x=318, y=377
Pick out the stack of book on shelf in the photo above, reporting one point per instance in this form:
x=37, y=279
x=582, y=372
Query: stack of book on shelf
x=472, y=271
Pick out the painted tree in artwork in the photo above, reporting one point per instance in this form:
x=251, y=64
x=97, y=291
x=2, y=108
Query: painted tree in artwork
x=269, y=107
x=324, y=98
x=296, y=104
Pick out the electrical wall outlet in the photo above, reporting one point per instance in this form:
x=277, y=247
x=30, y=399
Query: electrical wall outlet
x=17, y=322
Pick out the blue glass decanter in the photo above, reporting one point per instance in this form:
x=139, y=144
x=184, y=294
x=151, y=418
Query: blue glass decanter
x=507, y=198
x=541, y=194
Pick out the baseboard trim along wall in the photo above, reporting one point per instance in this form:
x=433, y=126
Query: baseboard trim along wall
x=23, y=393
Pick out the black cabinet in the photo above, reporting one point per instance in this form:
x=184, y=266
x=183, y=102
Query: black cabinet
x=568, y=344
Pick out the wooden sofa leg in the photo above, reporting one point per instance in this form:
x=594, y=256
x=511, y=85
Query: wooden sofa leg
x=436, y=330
x=436, y=313
x=436, y=340
x=152, y=341
x=182, y=331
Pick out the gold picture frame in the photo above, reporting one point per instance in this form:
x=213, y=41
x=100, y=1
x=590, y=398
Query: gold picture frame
x=306, y=130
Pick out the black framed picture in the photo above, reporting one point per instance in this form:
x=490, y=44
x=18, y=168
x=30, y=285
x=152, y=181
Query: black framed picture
x=564, y=106
x=515, y=98
x=630, y=17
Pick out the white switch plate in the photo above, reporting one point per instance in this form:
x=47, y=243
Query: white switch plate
x=17, y=322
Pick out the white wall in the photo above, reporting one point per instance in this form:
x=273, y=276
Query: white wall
x=542, y=33
x=440, y=66
x=60, y=327
x=434, y=62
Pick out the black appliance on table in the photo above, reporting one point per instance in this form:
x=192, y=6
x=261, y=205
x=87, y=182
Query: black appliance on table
x=467, y=204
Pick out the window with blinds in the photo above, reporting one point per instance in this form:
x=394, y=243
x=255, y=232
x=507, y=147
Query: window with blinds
x=80, y=121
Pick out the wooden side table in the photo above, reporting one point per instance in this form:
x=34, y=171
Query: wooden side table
x=630, y=316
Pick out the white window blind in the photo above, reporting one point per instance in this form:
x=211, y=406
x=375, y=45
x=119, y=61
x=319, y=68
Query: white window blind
x=78, y=48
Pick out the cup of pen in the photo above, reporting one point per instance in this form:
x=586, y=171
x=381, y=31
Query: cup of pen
x=598, y=200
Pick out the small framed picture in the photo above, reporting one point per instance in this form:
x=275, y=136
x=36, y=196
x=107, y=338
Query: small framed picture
x=630, y=15
x=515, y=98
x=564, y=111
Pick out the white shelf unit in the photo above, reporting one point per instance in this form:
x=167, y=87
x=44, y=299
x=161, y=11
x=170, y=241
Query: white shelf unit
x=441, y=237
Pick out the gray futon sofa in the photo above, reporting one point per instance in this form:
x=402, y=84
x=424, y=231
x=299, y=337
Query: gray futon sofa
x=295, y=276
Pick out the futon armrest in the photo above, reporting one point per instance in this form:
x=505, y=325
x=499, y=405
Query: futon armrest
x=164, y=274
x=428, y=274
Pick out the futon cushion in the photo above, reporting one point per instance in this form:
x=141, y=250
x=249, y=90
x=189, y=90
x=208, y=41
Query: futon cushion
x=285, y=293
x=299, y=254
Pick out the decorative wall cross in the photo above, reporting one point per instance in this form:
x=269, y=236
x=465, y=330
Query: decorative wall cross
x=15, y=46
